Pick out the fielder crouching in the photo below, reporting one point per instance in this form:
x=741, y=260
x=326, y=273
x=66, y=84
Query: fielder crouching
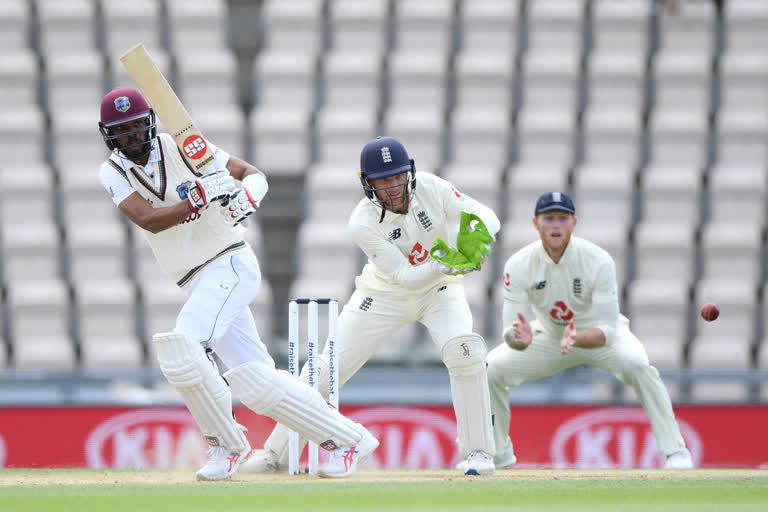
x=193, y=222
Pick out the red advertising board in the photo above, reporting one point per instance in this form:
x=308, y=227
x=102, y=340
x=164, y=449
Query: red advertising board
x=411, y=436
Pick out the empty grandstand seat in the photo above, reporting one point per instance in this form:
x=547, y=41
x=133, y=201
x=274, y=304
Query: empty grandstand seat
x=331, y=192
x=224, y=126
x=67, y=26
x=351, y=79
x=19, y=79
x=742, y=136
x=39, y=309
x=478, y=181
x=293, y=25
x=551, y=80
x=106, y=309
x=525, y=183
x=616, y=80
x=485, y=78
x=744, y=23
x=732, y=250
x=197, y=25
x=123, y=28
x=209, y=86
x=489, y=25
x=556, y=25
x=605, y=192
x=281, y=139
x=738, y=193
x=665, y=249
x=324, y=247
x=96, y=250
x=417, y=79
x=671, y=193
x=15, y=19
x=742, y=80
x=658, y=313
x=340, y=134
x=480, y=136
x=423, y=25
x=727, y=342
x=119, y=76
x=284, y=78
x=678, y=137
x=546, y=137
x=30, y=248
x=358, y=25
x=621, y=26
x=22, y=134
x=420, y=131
x=682, y=81
x=612, y=136
x=74, y=80
x=689, y=29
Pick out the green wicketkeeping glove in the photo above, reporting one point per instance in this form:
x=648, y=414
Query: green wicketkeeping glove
x=473, y=245
x=473, y=241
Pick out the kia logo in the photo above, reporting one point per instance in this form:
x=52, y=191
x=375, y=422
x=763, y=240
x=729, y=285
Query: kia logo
x=614, y=437
x=410, y=438
x=143, y=438
x=2, y=452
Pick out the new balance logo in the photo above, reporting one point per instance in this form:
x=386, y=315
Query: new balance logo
x=395, y=234
x=366, y=303
x=385, y=155
x=539, y=285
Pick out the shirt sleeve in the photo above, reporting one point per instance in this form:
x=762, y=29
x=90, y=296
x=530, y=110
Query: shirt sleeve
x=605, y=301
x=390, y=260
x=515, y=295
x=117, y=186
x=220, y=159
x=455, y=202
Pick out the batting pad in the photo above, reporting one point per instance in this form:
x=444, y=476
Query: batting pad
x=292, y=403
x=207, y=396
x=464, y=356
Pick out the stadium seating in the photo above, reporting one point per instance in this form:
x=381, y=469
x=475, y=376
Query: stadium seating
x=655, y=119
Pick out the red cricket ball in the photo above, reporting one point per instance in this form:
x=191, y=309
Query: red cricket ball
x=709, y=312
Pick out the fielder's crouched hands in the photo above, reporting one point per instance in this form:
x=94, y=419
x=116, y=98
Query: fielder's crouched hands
x=445, y=269
x=519, y=336
x=209, y=188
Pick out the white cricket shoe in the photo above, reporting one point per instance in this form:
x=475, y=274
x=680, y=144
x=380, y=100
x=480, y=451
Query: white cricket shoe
x=222, y=463
x=681, y=459
x=478, y=463
x=261, y=461
x=344, y=461
x=507, y=459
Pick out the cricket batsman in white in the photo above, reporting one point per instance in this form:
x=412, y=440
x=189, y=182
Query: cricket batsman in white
x=570, y=285
x=396, y=224
x=193, y=222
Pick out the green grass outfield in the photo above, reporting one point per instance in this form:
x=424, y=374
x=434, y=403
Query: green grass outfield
x=540, y=490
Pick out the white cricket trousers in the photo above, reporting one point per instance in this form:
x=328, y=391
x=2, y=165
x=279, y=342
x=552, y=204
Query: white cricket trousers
x=217, y=315
x=625, y=358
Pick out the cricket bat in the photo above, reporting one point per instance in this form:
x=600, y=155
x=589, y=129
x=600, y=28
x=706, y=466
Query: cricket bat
x=167, y=106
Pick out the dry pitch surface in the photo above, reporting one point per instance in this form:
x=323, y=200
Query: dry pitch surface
x=159, y=477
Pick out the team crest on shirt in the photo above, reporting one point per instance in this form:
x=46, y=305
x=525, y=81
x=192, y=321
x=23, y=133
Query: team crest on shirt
x=426, y=222
x=122, y=103
x=183, y=189
x=577, y=287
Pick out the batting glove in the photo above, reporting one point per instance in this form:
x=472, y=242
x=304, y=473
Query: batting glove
x=209, y=188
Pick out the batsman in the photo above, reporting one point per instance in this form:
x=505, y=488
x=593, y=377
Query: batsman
x=419, y=241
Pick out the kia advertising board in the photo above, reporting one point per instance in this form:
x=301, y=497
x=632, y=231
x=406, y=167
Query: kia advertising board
x=411, y=436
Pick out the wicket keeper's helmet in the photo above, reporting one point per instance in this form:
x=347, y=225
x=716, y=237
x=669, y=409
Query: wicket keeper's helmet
x=383, y=157
x=120, y=106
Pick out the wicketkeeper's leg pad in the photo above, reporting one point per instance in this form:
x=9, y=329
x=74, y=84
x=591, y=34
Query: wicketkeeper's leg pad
x=464, y=357
x=293, y=404
x=207, y=396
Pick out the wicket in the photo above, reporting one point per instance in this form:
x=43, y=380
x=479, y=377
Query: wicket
x=294, y=368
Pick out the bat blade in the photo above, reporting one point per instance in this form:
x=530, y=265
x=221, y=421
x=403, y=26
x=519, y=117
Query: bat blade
x=167, y=106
